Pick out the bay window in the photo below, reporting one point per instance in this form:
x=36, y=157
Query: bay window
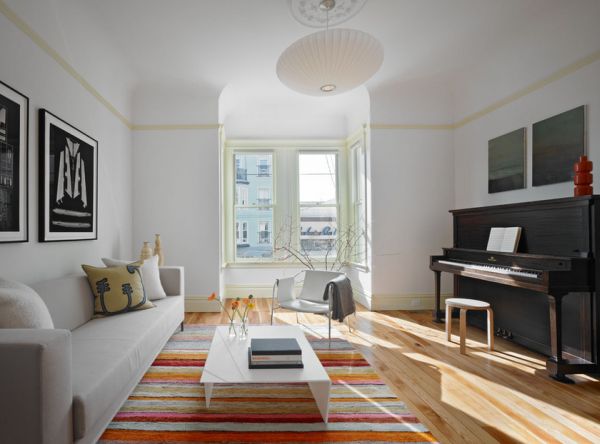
x=309, y=195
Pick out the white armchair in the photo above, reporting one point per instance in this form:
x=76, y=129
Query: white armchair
x=312, y=297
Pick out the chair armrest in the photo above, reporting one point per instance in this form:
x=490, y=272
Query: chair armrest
x=35, y=388
x=172, y=280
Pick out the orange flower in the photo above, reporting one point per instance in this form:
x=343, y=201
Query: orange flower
x=235, y=305
x=246, y=301
x=212, y=297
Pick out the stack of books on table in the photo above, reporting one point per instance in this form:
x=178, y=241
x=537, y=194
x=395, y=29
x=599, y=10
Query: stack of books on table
x=274, y=353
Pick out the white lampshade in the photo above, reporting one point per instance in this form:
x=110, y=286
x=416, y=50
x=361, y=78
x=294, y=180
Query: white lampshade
x=330, y=62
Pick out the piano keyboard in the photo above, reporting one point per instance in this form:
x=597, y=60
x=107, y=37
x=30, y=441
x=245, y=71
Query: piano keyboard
x=493, y=269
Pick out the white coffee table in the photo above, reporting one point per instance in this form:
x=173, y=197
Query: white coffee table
x=227, y=363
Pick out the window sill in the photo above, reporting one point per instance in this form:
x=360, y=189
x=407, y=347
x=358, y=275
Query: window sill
x=279, y=264
x=297, y=265
x=359, y=267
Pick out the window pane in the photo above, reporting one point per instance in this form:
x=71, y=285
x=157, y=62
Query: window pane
x=254, y=235
x=318, y=230
x=317, y=178
x=254, y=179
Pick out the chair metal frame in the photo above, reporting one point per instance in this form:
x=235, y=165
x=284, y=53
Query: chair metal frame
x=329, y=302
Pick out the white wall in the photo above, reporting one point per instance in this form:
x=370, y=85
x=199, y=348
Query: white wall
x=411, y=191
x=249, y=112
x=525, y=58
x=31, y=71
x=176, y=185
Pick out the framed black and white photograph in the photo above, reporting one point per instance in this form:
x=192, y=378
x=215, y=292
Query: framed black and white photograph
x=14, y=127
x=68, y=181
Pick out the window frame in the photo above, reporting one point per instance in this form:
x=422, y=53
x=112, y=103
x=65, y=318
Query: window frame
x=284, y=190
x=358, y=194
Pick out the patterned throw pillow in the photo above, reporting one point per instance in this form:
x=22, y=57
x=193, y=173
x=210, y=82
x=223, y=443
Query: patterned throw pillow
x=117, y=289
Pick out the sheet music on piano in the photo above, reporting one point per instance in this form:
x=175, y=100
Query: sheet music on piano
x=504, y=239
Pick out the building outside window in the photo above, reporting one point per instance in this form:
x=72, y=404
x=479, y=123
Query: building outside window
x=241, y=194
x=264, y=234
x=253, y=209
x=318, y=203
x=264, y=197
x=241, y=233
x=264, y=166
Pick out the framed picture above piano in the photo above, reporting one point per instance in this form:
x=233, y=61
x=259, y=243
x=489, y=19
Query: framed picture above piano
x=506, y=162
x=557, y=143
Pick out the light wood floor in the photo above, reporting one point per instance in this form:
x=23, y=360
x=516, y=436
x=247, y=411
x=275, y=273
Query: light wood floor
x=501, y=396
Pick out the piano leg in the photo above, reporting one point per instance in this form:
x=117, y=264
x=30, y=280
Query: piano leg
x=555, y=363
x=437, y=312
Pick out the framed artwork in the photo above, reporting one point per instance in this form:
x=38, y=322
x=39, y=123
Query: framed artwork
x=557, y=144
x=506, y=162
x=14, y=128
x=68, y=182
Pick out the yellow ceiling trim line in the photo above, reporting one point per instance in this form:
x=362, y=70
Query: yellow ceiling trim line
x=175, y=127
x=44, y=46
x=561, y=73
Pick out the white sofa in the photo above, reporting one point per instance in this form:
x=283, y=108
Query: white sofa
x=65, y=385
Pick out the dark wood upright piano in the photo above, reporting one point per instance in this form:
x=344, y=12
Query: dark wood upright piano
x=543, y=296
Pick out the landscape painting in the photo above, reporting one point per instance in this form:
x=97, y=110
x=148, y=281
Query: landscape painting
x=69, y=176
x=14, y=115
x=506, y=162
x=557, y=144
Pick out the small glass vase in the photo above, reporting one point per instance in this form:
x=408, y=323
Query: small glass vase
x=243, y=330
x=232, y=329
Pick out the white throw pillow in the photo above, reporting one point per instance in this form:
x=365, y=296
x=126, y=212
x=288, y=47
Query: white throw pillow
x=22, y=307
x=150, y=276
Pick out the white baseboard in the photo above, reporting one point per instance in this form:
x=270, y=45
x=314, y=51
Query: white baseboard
x=202, y=304
x=362, y=298
x=244, y=290
x=382, y=302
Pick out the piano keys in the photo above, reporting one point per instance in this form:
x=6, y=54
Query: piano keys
x=544, y=295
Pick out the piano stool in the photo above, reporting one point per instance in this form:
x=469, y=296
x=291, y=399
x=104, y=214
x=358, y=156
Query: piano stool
x=465, y=305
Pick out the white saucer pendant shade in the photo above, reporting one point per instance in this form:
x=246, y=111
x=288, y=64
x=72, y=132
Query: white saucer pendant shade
x=330, y=62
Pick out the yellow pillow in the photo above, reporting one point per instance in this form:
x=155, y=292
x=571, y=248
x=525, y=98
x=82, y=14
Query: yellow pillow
x=117, y=289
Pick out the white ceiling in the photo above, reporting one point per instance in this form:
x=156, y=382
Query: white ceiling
x=214, y=43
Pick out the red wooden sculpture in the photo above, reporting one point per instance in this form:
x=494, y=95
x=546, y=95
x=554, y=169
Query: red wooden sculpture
x=583, y=177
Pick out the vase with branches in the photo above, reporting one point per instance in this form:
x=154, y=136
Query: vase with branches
x=334, y=252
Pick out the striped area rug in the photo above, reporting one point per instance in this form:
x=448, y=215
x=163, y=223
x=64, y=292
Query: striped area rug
x=168, y=404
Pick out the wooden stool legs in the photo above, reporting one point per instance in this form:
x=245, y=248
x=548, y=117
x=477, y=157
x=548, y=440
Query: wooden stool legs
x=463, y=331
x=448, y=324
x=463, y=328
x=490, y=329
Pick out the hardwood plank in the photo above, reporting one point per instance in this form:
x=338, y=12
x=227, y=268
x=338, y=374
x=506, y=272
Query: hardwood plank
x=485, y=396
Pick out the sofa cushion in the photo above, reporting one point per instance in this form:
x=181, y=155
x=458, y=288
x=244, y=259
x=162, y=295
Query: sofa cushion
x=111, y=354
x=69, y=300
x=150, y=275
x=22, y=307
x=117, y=289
